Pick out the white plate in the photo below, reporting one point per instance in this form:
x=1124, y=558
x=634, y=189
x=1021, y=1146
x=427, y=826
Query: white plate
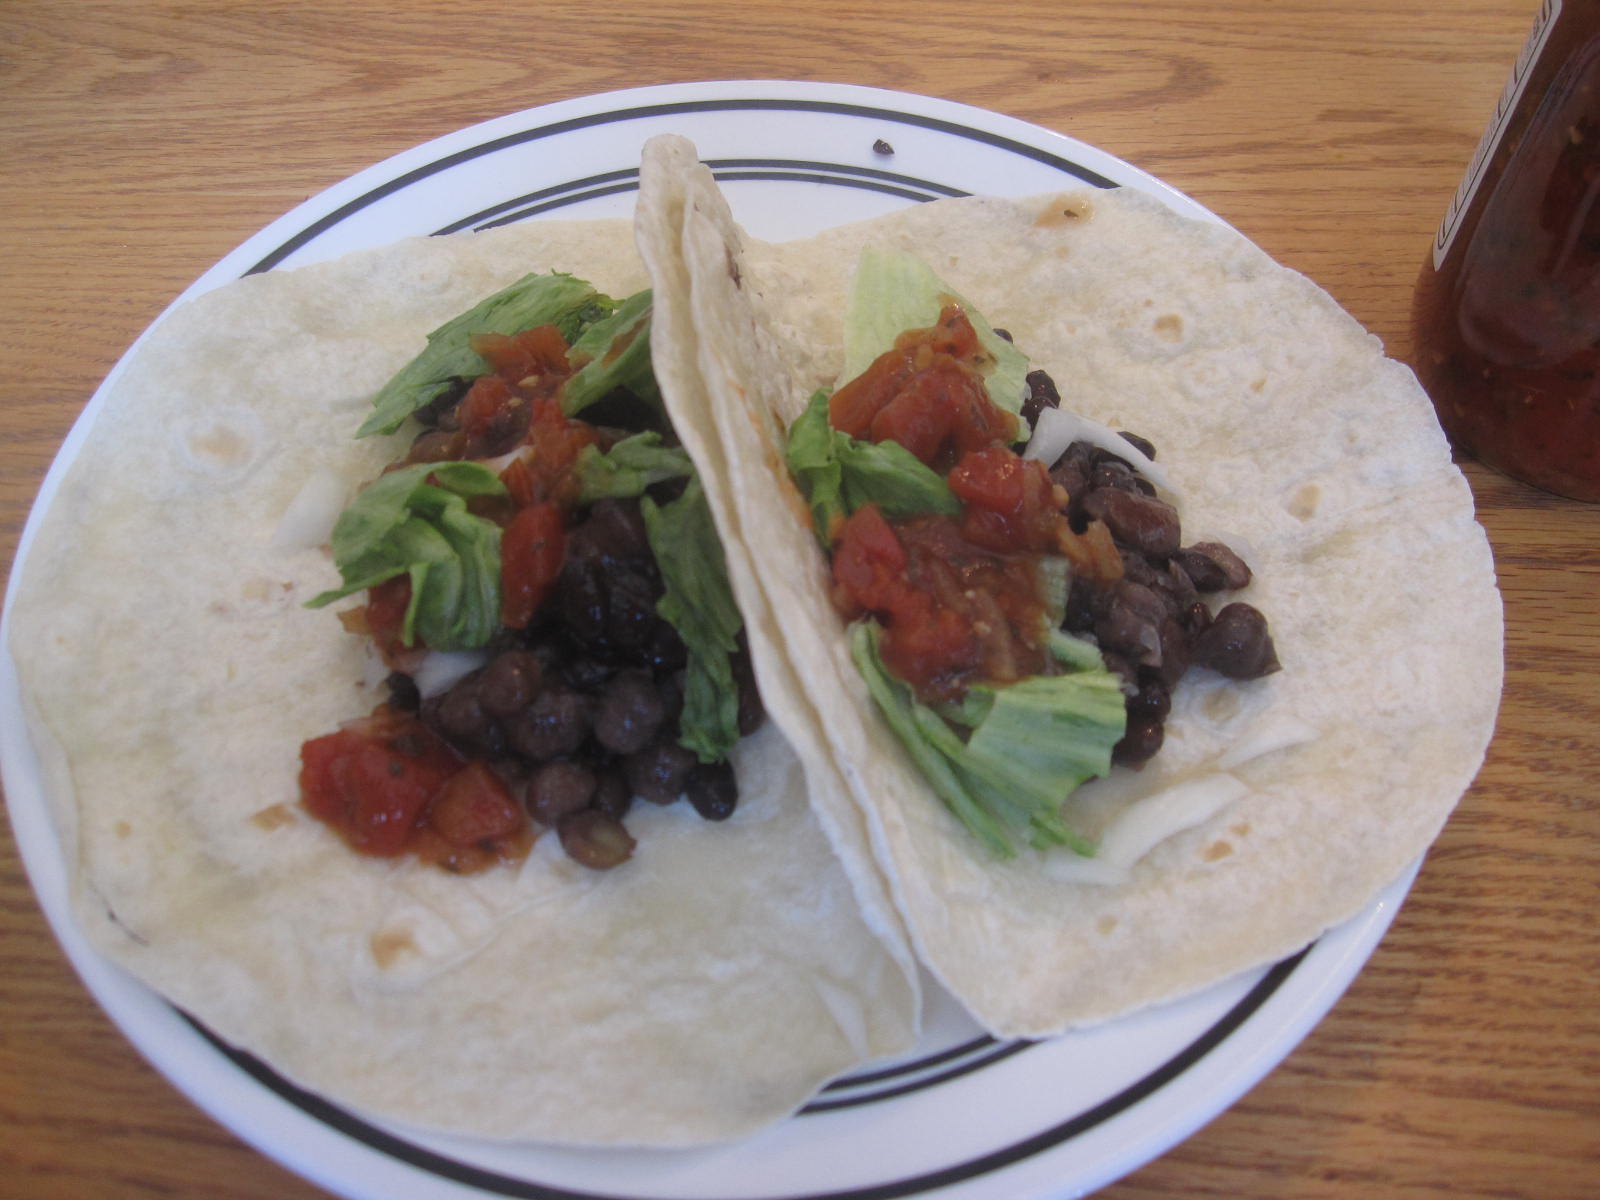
x=964, y=1115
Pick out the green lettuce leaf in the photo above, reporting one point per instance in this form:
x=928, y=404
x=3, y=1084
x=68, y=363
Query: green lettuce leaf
x=894, y=291
x=1029, y=745
x=616, y=354
x=569, y=304
x=699, y=604
x=839, y=474
x=629, y=467
x=414, y=521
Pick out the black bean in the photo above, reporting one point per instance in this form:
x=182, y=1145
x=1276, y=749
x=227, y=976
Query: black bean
x=616, y=528
x=559, y=788
x=595, y=839
x=1175, y=652
x=612, y=795
x=631, y=618
x=1235, y=571
x=1153, y=700
x=1138, y=443
x=623, y=410
x=1042, y=394
x=1140, y=741
x=713, y=790
x=403, y=692
x=509, y=683
x=1070, y=477
x=1237, y=644
x=630, y=714
x=1003, y=334
x=587, y=672
x=1122, y=669
x=665, y=651
x=1080, y=611
x=1125, y=632
x=581, y=597
x=1143, y=522
x=440, y=412
x=554, y=724
x=459, y=714
x=659, y=772
x=1107, y=471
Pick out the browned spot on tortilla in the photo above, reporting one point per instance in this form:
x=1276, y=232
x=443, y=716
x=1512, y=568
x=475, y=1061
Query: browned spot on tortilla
x=221, y=445
x=274, y=816
x=1064, y=212
x=123, y=829
x=1303, y=504
x=1217, y=851
x=389, y=944
x=1170, y=327
x=1259, y=384
x=1242, y=829
x=1105, y=925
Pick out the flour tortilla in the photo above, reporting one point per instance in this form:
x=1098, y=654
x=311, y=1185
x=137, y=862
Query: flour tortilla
x=1286, y=433
x=704, y=989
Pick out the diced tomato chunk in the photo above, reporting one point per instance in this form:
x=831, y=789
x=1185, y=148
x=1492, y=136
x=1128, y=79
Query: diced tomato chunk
x=372, y=780
x=474, y=807
x=488, y=396
x=1011, y=505
x=927, y=393
x=532, y=549
x=533, y=352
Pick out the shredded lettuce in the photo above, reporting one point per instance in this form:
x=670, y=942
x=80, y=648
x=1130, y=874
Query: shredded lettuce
x=1027, y=745
x=699, y=604
x=616, y=354
x=839, y=474
x=568, y=303
x=403, y=524
x=629, y=467
x=894, y=291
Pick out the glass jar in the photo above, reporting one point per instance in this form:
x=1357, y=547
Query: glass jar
x=1506, y=316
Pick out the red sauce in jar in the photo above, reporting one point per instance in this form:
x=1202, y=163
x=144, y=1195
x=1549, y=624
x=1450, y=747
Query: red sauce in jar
x=1507, y=313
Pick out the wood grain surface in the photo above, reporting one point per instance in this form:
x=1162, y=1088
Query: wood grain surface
x=143, y=140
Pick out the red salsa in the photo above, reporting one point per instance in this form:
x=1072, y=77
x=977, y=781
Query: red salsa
x=960, y=598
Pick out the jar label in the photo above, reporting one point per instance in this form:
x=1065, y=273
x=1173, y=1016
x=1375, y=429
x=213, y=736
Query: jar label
x=1509, y=96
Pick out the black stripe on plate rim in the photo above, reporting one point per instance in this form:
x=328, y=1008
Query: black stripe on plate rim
x=400, y=182
x=722, y=168
x=919, y=1064
x=493, y=1183
x=868, y=185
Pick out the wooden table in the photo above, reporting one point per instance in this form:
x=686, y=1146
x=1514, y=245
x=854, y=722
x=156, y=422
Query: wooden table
x=142, y=140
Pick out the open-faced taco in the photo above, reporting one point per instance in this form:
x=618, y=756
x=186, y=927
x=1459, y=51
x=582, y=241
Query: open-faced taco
x=1308, y=758
x=364, y=844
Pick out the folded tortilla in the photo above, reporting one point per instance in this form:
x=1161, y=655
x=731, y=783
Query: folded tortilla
x=705, y=988
x=1279, y=806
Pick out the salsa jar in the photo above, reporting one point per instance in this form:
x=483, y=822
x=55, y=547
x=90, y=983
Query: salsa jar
x=1506, y=315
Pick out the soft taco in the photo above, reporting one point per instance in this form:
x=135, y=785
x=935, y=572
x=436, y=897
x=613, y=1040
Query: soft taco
x=189, y=685
x=1282, y=799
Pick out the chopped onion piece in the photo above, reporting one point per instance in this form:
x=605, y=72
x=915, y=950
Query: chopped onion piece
x=1056, y=429
x=441, y=669
x=1275, y=731
x=308, y=521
